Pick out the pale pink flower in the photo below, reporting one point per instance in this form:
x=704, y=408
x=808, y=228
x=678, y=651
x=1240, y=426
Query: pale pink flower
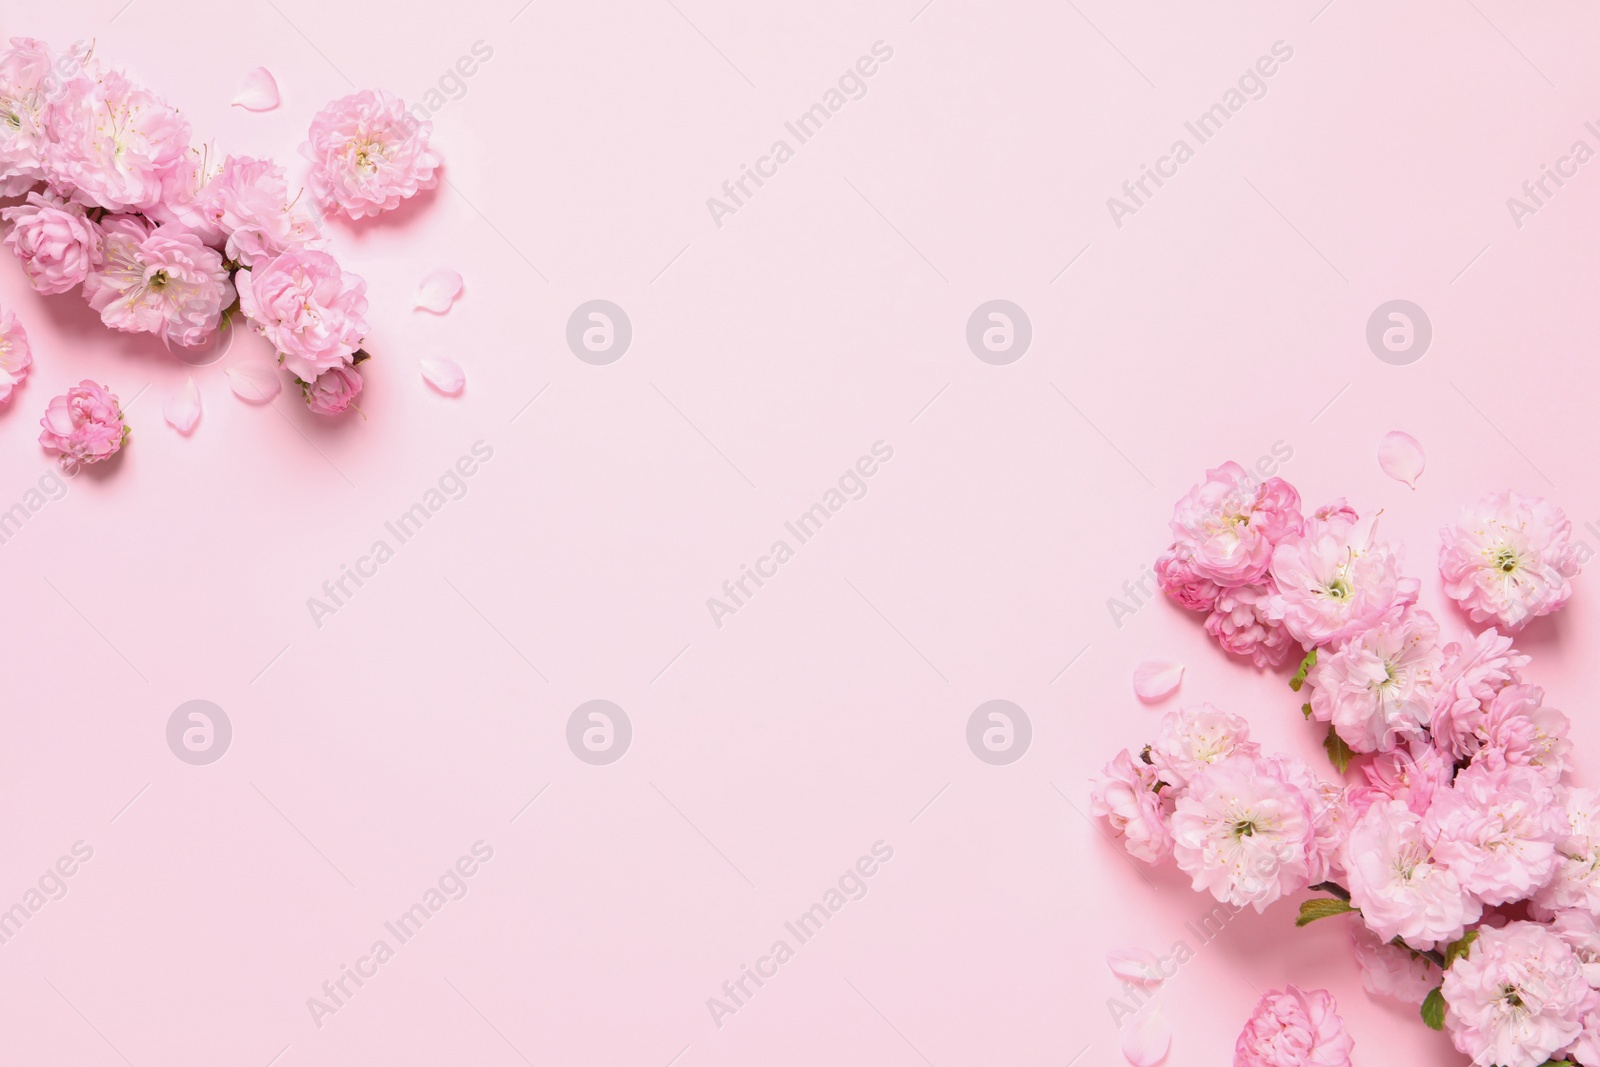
x=1229, y=523
x=1241, y=625
x=246, y=204
x=1243, y=833
x=1294, y=1028
x=1576, y=883
x=113, y=143
x=15, y=355
x=1176, y=576
x=1517, y=728
x=24, y=84
x=1334, y=581
x=1402, y=889
x=1509, y=559
x=1497, y=830
x=1191, y=738
x=334, y=391
x=1377, y=689
x=163, y=281
x=1411, y=774
x=55, y=241
x=368, y=153
x=1585, y=1051
x=311, y=311
x=1390, y=970
x=1127, y=799
x=84, y=425
x=1332, y=815
x=1516, y=999
x=1473, y=672
x=1582, y=935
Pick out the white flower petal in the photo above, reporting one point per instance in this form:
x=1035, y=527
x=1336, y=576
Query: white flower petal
x=260, y=92
x=439, y=290
x=444, y=375
x=1135, y=964
x=1146, y=1039
x=182, y=409
x=256, y=381
x=1401, y=457
x=1154, y=679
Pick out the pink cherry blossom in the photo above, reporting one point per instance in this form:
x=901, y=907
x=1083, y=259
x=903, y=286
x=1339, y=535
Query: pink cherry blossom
x=15, y=355
x=1582, y=934
x=1189, y=739
x=1294, y=1028
x=1401, y=888
x=1516, y=999
x=1390, y=970
x=113, y=143
x=368, y=154
x=1410, y=774
x=1332, y=815
x=1334, y=580
x=1176, y=576
x=1576, y=883
x=1240, y=624
x=1497, y=830
x=163, y=281
x=1517, y=728
x=55, y=241
x=247, y=205
x=312, y=312
x=1229, y=524
x=84, y=425
x=1473, y=672
x=24, y=82
x=1127, y=799
x=1508, y=559
x=334, y=391
x=1377, y=689
x=1243, y=833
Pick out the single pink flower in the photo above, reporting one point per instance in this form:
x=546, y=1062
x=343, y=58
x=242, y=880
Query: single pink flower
x=1192, y=738
x=84, y=425
x=1241, y=625
x=1401, y=888
x=1518, y=729
x=113, y=143
x=1576, y=883
x=1390, y=970
x=1517, y=998
x=1176, y=576
x=24, y=94
x=311, y=311
x=1243, y=833
x=1473, y=672
x=1497, y=830
x=1377, y=689
x=1334, y=580
x=1411, y=774
x=15, y=355
x=334, y=391
x=1294, y=1028
x=245, y=206
x=1509, y=559
x=55, y=241
x=163, y=281
x=368, y=153
x=1127, y=799
x=1229, y=523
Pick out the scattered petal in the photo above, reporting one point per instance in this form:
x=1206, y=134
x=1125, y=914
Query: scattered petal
x=1400, y=456
x=439, y=290
x=1155, y=678
x=255, y=381
x=1147, y=1038
x=444, y=375
x=1135, y=964
x=182, y=409
x=260, y=92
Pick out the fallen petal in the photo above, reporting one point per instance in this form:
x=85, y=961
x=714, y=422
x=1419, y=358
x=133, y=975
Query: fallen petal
x=1135, y=964
x=260, y=92
x=182, y=409
x=444, y=375
x=1154, y=679
x=255, y=381
x=439, y=290
x=1401, y=457
x=1147, y=1038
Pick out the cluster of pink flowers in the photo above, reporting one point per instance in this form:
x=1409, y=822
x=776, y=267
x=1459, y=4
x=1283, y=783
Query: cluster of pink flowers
x=167, y=239
x=1469, y=860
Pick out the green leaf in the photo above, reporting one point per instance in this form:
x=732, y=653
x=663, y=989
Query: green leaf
x=1306, y=664
x=1559, y=1063
x=1433, y=1009
x=1456, y=950
x=1339, y=752
x=1320, y=908
x=1305, y=709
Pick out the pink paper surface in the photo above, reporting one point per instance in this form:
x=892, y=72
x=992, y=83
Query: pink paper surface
x=772, y=348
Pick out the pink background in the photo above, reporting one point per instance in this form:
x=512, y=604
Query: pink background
x=768, y=354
